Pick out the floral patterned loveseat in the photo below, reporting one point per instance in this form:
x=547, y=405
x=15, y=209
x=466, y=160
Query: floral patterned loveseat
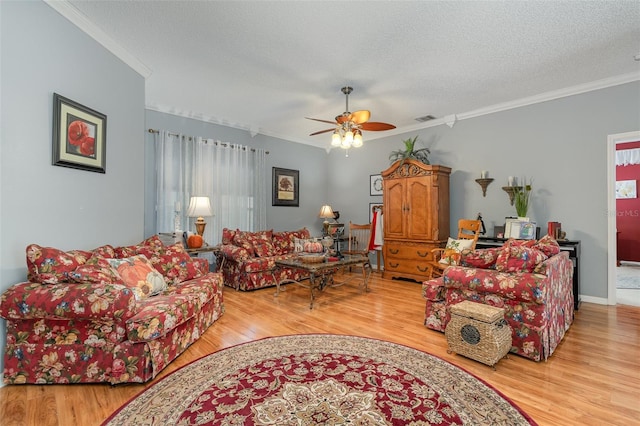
x=77, y=320
x=532, y=280
x=248, y=258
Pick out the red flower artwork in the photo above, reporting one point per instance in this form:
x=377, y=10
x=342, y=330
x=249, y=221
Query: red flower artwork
x=78, y=134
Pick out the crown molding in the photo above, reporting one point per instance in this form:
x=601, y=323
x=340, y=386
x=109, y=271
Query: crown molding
x=552, y=95
x=65, y=9
x=222, y=122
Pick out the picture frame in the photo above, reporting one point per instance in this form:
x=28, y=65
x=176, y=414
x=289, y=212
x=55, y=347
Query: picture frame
x=375, y=184
x=79, y=136
x=285, y=187
x=626, y=189
x=371, y=206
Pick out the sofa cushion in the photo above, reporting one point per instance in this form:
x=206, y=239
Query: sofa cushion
x=518, y=258
x=163, y=313
x=139, y=275
x=67, y=301
x=259, y=264
x=48, y=265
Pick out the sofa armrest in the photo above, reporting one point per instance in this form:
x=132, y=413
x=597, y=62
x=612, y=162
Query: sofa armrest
x=201, y=264
x=234, y=253
x=67, y=301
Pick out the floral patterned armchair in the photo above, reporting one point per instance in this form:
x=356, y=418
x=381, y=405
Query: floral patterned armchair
x=76, y=320
x=531, y=280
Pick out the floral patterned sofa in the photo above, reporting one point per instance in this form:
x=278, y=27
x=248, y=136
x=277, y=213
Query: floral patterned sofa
x=79, y=320
x=532, y=280
x=248, y=258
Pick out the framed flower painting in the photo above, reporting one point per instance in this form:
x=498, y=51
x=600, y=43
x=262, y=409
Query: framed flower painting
x=79, y=136
x=286, y=187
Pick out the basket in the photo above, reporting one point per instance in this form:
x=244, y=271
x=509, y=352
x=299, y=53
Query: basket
x=479, y=332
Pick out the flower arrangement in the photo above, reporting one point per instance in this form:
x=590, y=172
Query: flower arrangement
x=522, y=196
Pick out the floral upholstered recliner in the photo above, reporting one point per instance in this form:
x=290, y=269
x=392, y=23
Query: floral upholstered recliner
x=91, y=316
x=248, y=259
x=531, y=280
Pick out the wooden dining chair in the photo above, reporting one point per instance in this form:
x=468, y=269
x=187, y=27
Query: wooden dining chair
x=359, y=236
x=468, y=231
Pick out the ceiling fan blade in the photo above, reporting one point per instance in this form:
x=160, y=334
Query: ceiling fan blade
x=360, y=117
x=322, y=131
x=322, y=121
x=343, y=118
x=376, y=126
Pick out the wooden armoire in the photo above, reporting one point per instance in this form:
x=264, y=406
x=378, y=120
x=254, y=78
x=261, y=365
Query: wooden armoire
x=416, y=217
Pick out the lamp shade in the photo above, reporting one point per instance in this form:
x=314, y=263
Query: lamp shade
x=326, y=212
x=199, y=206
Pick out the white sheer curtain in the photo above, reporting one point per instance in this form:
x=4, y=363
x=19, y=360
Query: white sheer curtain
x=231, y=175
x=625, y=157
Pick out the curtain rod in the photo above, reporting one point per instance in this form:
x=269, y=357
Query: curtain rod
x=191, y=138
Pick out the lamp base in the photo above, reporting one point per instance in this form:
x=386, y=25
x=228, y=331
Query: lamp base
x=200, y=225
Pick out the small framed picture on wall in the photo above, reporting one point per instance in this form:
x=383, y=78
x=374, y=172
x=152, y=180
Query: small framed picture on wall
x=375, y=184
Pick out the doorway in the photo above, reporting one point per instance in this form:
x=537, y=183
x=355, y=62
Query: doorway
x=615, y=295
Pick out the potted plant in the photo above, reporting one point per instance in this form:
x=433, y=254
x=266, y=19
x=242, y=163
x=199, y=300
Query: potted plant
x=522, y=196
x=421, y=154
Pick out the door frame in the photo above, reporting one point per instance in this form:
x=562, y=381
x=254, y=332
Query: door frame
x=612, y=141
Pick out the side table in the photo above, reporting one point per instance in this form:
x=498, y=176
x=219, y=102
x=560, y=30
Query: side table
x=216, y=250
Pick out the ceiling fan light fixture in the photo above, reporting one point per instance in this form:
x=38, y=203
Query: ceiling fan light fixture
x=357, y=139
x=349, y=125
x=336, y=139
x=347, y=141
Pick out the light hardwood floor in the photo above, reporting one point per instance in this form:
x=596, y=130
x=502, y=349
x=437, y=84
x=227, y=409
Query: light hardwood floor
x=593, y=378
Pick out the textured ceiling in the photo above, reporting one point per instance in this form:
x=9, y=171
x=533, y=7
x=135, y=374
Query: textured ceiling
x=265, y=65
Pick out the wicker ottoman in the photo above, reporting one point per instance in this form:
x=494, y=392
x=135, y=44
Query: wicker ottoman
x=479, y=332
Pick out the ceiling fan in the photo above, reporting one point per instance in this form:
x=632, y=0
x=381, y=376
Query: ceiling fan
x=349, y=125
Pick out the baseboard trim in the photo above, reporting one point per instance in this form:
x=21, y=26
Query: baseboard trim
x=596, y=300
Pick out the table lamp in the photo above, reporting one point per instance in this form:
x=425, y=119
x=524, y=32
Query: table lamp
x=199, y=207
x=326, y=212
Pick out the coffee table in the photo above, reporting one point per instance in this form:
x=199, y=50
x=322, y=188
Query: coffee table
x=321, y=273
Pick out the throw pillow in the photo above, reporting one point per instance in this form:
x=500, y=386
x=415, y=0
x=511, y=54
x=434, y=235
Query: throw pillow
x=282, y=242
x=241, y=241
x=519, y=258
x=48, y=265
x=262, y=247
x=227, y=235
x=453, y=249
x=139, y=275
x=480, y=258
x=298, y=244
x=548, y=246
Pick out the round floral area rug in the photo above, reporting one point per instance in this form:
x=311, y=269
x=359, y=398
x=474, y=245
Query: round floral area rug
x=319, y=379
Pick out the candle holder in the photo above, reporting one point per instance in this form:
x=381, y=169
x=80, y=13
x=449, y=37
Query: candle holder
x=484, y=183
x=511, y=190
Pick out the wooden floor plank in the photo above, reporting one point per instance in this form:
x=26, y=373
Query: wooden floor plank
x=593, y=378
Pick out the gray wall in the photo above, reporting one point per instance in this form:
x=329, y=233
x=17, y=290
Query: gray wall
x=43, y=53
x=561, y=144
x=310, y=161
